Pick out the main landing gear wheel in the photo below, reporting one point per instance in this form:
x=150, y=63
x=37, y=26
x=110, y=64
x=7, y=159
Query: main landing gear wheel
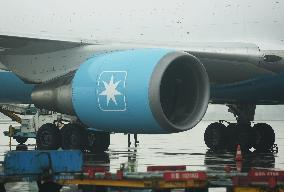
x=73, y=137
x=265, y=137
x=98, y=142
x=261, y=136
x=48, y=137
x=215, y=136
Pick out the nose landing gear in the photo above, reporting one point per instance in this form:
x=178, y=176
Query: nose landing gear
x=260, y=136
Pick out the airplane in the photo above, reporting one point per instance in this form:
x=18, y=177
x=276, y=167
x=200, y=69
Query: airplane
x=144, y=67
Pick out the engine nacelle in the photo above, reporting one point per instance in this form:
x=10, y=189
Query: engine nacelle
x=132, y=91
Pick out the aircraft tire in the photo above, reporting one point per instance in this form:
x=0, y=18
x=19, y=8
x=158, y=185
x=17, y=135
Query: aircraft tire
x=73, y=137
x=98, y=142
x=265, y=137
x=215, y=136
x=48, y=137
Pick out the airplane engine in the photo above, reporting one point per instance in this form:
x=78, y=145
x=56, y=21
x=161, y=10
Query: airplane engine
x=131, y=91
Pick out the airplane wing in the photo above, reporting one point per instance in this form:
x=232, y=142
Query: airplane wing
x=23, y=56
x=38, y=60
x=157, y=90
x=14, y=45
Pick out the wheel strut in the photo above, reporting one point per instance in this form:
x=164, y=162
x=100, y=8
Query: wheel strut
x=136, y=142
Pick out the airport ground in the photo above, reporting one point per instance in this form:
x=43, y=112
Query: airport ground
x=185, y=148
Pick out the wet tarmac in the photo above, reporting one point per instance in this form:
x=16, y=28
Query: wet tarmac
x=186, y=148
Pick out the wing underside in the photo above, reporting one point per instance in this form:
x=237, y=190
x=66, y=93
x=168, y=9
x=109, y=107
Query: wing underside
x=39, y=60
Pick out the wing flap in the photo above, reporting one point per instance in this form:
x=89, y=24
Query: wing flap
x=14, y=45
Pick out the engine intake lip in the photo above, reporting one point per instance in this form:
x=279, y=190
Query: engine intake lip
x=179, y=91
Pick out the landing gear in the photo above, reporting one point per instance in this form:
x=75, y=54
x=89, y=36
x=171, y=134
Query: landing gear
x=245, y=136
x=98, y=142
x=215, y=136
x=261, y=136
x=265, y=136
x=77, y=137
x=48, y=137
x=71, y=136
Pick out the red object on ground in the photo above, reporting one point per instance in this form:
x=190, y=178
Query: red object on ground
x=265, y=173
x=119, y=174
x=167, y=168
x=184, y=176
x=239, y=156
x=91, y=171
x=269, y=178
x=272, y=182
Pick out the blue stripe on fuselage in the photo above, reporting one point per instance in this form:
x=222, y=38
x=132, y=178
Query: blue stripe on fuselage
x=261, y=90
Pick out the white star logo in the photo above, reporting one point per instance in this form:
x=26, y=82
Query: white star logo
x=110, y=90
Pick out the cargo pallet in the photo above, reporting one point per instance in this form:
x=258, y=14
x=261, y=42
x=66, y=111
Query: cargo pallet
x=53, y=169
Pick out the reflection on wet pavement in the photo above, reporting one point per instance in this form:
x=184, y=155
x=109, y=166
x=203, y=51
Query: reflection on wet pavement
x=213, y=162
x=221, y=161
x=189, y=149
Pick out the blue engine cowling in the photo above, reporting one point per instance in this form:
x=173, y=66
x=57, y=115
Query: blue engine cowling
x=132, y=91
x=13, y=89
